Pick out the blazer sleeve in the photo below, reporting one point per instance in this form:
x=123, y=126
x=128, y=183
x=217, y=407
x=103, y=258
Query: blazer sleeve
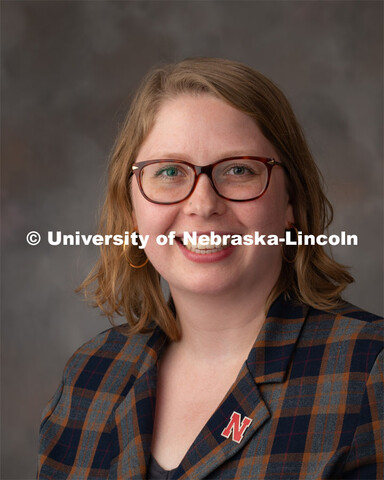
x=48, y=410
x=56, y=424
x=365, y=458
x=77, y=422
x=54, y=418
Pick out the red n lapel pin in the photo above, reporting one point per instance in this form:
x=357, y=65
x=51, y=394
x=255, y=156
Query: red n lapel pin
x=236, y=427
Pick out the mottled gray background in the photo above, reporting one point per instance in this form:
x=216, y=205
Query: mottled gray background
x=68, y=71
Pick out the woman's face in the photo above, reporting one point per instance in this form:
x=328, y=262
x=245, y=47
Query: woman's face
x=202, y=130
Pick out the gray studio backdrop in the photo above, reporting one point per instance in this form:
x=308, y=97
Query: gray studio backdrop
x=68, y=73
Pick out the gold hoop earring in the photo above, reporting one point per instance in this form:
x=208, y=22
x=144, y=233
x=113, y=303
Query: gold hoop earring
x=129, y=261
x=293, y=260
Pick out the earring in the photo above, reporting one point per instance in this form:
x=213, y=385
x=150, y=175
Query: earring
x=293, y=260
x=129, y=261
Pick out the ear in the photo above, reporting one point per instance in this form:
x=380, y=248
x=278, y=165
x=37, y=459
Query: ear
x=289, y=216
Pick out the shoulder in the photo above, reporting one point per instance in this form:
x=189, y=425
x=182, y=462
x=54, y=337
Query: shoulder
x=106, y=365
x=115, y=352
x=350, y=321
x=348, y=332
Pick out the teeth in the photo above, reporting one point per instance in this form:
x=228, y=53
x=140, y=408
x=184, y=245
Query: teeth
x=204, y=249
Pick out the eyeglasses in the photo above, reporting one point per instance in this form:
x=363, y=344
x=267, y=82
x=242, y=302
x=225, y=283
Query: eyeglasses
x=238, y=179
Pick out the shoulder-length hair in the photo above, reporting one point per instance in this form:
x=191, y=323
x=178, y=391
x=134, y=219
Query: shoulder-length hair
x=313, y=278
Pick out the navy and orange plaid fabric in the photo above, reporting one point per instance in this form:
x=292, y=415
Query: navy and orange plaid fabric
x=312, y=386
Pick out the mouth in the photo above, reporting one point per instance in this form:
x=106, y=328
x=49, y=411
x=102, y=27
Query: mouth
x=203, y=249
x=205, y=244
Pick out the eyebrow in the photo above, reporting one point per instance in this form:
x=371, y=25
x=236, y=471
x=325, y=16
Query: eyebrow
x=188, y=158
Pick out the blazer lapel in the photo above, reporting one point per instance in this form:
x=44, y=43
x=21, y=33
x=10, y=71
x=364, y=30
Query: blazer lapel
x=245, y=407
x=272, y=352
x=134, y=417
x=268, y=362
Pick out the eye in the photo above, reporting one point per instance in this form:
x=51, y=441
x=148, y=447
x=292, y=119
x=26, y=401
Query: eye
x=239, y=170
x=169, y=171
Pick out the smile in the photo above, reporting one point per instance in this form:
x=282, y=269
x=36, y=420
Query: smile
x=205, y=248
x=208, y=246
x=205, y=252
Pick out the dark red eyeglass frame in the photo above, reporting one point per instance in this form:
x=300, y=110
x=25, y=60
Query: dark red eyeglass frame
x=207, y=169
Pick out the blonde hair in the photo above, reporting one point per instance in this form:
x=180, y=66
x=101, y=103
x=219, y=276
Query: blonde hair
x=313, y=278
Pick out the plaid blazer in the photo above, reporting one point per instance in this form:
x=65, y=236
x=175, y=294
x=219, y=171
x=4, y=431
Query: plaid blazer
x=307, y=404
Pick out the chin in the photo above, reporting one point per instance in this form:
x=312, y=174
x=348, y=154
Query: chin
x=204, y=286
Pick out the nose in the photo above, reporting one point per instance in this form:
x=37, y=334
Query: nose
x=204, y=201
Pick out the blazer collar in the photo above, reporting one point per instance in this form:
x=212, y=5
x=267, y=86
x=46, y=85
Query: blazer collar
x=267, y=362
x=151, y=352
x=270, y=356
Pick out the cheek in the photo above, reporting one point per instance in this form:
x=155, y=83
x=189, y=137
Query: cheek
x=151, y=219
x=272, y=212
x=266, y=215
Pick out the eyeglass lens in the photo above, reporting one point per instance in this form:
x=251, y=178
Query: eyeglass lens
x=234, y=179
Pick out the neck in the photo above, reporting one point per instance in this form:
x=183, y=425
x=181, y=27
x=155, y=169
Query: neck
x=220, y=327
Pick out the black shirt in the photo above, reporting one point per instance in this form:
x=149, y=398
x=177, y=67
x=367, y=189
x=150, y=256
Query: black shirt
x=155, y=472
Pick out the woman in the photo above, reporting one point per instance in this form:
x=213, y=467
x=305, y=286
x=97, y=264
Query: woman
x=254, y=368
